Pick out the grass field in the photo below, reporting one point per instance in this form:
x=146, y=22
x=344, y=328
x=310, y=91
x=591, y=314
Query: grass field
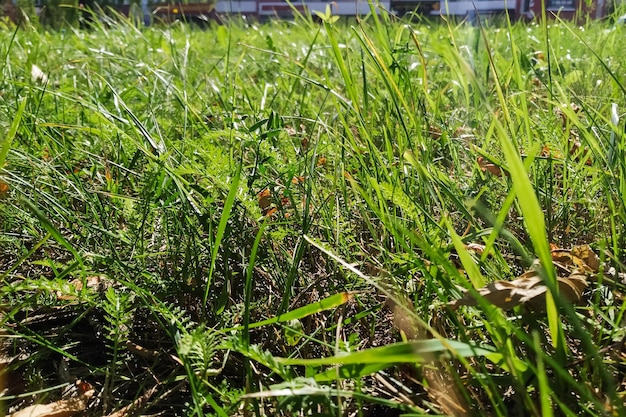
x=302, y=218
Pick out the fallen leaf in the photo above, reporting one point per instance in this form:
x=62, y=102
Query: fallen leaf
x=463, y=131
x=486, y=166
x=270, y=212
x=290, y=130
x=96, y=283
x=4, y=189
x=265, y=200
x=576, y=150
x=321, y=161
x=297, y=180
x=572, y=287
x=588, y=256
x=435, y=132
x=527, y=290
x=581, y=257
x=475, y=247
x=545, y=152
x=304, y=143
x=564, y=259
x=61, y=408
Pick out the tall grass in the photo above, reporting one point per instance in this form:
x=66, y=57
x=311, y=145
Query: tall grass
x=271, y=219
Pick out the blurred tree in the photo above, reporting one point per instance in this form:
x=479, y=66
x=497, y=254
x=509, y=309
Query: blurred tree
x=8, y=10
x=27, y=10
x=20, y=11
x=59, y=13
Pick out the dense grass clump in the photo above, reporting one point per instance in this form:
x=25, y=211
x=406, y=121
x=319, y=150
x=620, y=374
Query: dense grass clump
x=276, y=219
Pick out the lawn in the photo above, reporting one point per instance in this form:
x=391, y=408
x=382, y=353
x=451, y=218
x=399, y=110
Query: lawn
x=336, y=218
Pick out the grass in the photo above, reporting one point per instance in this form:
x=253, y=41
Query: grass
x=271, y=219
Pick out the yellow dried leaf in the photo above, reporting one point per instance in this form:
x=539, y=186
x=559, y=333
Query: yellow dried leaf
x=591, y=260
x=578, y=257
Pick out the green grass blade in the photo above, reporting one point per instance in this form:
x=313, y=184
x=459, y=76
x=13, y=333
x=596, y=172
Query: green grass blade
x=249, y=278
x=53, y=231
x=6, y=143
x=544, y=385
x=473, y=272
x=330, y=391
x=25, y=256
x=403, y=352
x=351, y=371
x=299, y=313
x=536, y=226
x=221, y=229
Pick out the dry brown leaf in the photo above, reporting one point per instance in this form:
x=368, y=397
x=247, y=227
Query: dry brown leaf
x=572, y=287
x=270, y=212
x=588, y=256
x=527, y=290
x=435, y=132
x=265, y=203
x=264, y=198
x=297, y=180
x=4, y=189
x=443, y=391
x=475, y=247
x=61, y=408
x=490, y=167
x=564, y=259
x=94, y=282
x=578, y=257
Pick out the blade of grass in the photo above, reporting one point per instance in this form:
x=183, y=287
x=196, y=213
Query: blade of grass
x=309, y=309
x=536, y=226
x=56, y=234
x=544, y=385
x=6, y=143
x=473, y=272
x=531, y=210
x=414, y=351
x=221, y=228
x=25, y=256
x=329, y=391
x=249, y=276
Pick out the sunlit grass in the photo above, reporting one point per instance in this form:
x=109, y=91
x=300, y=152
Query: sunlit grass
x=273, y=218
